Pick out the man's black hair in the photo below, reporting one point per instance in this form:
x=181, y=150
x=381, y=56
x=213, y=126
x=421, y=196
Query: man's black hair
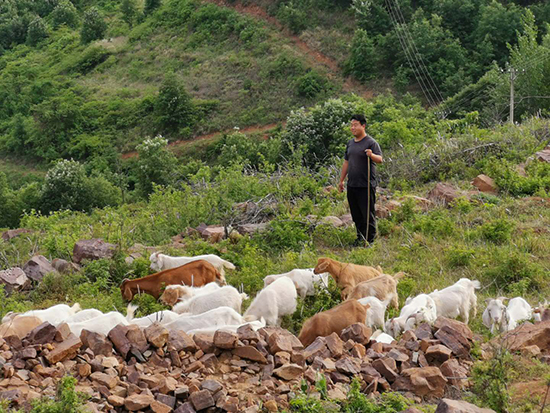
x=359, y=118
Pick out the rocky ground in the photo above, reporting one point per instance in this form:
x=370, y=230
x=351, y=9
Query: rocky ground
x=157, y=370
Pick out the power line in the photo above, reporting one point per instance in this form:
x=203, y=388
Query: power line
x=408, y=56
x=422, y=64
x=417, y=69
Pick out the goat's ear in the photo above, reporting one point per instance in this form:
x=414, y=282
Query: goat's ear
x=503, y=299
x=488, y=300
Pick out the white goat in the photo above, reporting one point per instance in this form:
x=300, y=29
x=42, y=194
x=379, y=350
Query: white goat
x=84, y=315
x=161, y=262
x=174, y=293
x=273, y=302
x=380, y=337
x=223, y=297
x=376, y=312
x=220, y=316
x=255, y=325
x=162, y=317
x=498, y=316
x=422, y=305
x=102, y=324
x=54, y=315
x=304, y=280
x=457, y=299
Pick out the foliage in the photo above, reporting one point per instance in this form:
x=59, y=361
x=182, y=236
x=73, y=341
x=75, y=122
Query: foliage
x=155, y=165
x=174, y=109
x=498, y=231
x=151, y=6
x=37, y=31
x=65, y=13
x=67, y=400
x=68, y=187
x=319, y=133
x=93, y=25
x=490, y=381
x=363, y=58
x=129, y=11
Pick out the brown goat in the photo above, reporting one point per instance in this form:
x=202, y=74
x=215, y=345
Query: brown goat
x=196, y=273
x=383, y=287
x=19, y=326
x=346, y=275
x=333, y=321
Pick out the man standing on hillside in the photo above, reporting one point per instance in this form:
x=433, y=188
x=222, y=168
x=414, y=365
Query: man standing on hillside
x=362, y=153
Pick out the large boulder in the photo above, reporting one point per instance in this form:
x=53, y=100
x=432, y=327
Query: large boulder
x=92, y=249
x=37, y=267
x=544, y=155
x=213, y=233
x=526, y=335
x=249, y=229
x=443, y=194
x=459, y=406
x=14, y=279
x=485, y=184
x=422, y=381
x=12, y=233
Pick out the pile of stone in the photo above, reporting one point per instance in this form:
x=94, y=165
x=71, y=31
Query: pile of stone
x=153, y=368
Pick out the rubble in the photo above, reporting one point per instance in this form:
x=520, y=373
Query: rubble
x=153, y=369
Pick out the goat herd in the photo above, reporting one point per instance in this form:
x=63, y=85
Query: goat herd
x=202, y=302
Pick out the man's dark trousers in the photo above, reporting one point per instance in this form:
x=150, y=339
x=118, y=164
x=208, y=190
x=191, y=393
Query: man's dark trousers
x=358, y=205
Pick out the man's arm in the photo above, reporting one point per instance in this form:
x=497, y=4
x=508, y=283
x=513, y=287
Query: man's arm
x=343, y=176
x=375, y=158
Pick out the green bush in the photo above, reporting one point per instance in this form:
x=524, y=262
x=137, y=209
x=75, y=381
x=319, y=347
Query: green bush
x=286, y=234
x=173, y=107
x=293, y=17
x=90, y=58
x=37, y=31
x=498, y=231
x=67, y=400
x=459, y=257
x=93, y=26
x=65, y=13
x=155, y=165
x=362, y=58
x=490, y=381
x=311, y=84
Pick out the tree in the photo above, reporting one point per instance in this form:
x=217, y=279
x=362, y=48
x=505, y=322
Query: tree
x=151, y=6
x=155, y=165
x=93, y=27
x=65, y=13
x=174, y=108
x=362, y=60
x=37, y=31
x=129, y=11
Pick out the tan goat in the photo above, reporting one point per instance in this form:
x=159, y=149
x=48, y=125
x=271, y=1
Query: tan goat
x=196, y=273
x=19, y=326
x=333, y=321
x=346, y=275
x=383, y=287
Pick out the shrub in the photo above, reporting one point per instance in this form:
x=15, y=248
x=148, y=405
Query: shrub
x=498, y=231
x=459, y=257
x=93, y=26
x=37, y=31
x=90, y=58
x=362, y=57
x=67, y=400
x=490, y=381
x=150, y=6
x=174, y=108
x=129, y=11
x=65, y=13
x=294, y=18
x=311, y=84
x=286, y=234
x=155, y=165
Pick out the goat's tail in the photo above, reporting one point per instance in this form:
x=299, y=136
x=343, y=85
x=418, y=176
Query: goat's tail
x=76, y=307
x=244, y=296
x=228, y=265
x=399, y=275
x=130, y=311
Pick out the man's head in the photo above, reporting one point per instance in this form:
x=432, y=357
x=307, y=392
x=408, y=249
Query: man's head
x=358, y=124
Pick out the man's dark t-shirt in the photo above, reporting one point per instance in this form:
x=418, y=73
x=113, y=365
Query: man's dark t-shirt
x=357, y=162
